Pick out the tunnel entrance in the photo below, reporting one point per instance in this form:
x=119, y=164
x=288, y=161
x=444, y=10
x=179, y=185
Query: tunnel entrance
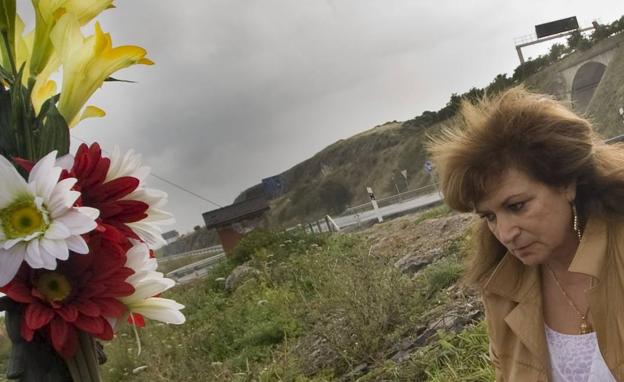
x=585, y=83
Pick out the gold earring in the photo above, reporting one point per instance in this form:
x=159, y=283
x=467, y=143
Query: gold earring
x=575, y=222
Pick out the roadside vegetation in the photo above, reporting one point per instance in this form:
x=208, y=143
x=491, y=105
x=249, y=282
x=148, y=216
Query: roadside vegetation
x=317, y=308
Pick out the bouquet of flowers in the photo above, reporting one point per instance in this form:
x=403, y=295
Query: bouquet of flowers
x=77, y=232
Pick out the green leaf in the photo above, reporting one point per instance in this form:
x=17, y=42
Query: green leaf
x=44, y=108
x=7, y=30
x=7, y=16
x=53, y=134
x=8, y=145
x=21, y=121
x=6, y=75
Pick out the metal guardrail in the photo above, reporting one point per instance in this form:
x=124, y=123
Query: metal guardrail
x=319, y=226
x=382, y=202
x=201, y=251
x=190, y=268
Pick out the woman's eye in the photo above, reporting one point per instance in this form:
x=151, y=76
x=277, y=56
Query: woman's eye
x=516, y=206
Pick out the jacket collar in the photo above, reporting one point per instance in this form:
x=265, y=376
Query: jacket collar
x=591, y=253
x=517, y=282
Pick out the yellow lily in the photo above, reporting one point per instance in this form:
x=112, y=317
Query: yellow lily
x=87, y=62
x=47, y=14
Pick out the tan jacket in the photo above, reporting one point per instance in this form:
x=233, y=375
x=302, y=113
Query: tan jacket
x=513, y=307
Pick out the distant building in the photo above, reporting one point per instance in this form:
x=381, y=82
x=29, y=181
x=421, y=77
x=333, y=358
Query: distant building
x=233, y=222
x=171, y=236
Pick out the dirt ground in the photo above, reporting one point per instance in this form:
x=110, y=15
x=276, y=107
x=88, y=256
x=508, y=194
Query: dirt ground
x=410, y=234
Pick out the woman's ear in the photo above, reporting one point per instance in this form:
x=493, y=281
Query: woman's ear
x=570, y=191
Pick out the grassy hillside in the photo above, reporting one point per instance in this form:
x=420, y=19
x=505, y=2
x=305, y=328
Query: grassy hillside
x=337, y=176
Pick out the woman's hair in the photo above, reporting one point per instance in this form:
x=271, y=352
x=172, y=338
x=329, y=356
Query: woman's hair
x=534, y=134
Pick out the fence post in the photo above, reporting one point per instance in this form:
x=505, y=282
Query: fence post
x=329, y=227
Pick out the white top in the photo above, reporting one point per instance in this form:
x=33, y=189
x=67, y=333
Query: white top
x=576, y=358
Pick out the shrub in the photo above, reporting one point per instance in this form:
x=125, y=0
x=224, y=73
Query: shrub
x=334, y=195
x=256, y=239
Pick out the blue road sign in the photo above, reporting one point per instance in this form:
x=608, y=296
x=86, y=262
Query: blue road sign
x=428, y=167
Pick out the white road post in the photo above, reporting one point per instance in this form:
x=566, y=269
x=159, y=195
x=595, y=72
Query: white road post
x=374, y=202
x=404, y=173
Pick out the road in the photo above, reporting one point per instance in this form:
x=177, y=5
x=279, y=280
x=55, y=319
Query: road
x=421, y=201
x=199, y=269
x=195, y=270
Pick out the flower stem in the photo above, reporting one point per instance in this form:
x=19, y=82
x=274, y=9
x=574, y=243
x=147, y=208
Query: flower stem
x=83, y=365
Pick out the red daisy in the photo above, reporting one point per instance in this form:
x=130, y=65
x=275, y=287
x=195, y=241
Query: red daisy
x=90, y=168
x=80, y=294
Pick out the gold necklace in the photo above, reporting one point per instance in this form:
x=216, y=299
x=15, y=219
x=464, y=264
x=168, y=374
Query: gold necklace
x=585, y=327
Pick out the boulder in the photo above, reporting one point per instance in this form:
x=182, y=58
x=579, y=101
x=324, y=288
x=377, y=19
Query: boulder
x=238, y=276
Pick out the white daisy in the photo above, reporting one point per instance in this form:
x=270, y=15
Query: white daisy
x=147, y=283
x=148, y=229
x=37, y=221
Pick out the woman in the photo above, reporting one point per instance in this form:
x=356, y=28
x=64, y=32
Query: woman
x=549, y=247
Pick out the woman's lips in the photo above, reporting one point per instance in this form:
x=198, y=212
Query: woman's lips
x=518, y=250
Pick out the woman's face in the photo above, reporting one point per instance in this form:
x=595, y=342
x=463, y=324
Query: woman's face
x=531, y=219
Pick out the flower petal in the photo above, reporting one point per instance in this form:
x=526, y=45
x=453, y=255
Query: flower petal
x=12, y=182
x=151, y=287
x=10, y=261
x=76, y=222
x=160, y=309
x=62, y=197
x=38, y=315
x=57, y=231
x=77, y=244
x=44, y=176
x=55, y=248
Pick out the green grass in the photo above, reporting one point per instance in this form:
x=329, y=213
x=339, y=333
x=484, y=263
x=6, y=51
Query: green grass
x=320, y=306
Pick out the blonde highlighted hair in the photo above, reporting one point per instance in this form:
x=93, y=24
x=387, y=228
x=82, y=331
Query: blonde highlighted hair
x=534, y=134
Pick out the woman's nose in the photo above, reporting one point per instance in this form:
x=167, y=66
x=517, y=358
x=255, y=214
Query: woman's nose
x=508, y=230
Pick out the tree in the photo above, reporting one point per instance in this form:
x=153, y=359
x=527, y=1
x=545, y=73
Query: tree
x=498, y=84
x=601, y=32
x=334, y=195
x=577, y=41
x=556, y=51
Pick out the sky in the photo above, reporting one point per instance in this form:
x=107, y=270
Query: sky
x=245, y=89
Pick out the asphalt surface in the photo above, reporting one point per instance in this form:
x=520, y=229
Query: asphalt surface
x=393, y=209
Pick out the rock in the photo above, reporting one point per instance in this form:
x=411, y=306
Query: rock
x=238, y=275
x=414, y=262
x=411, y=264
